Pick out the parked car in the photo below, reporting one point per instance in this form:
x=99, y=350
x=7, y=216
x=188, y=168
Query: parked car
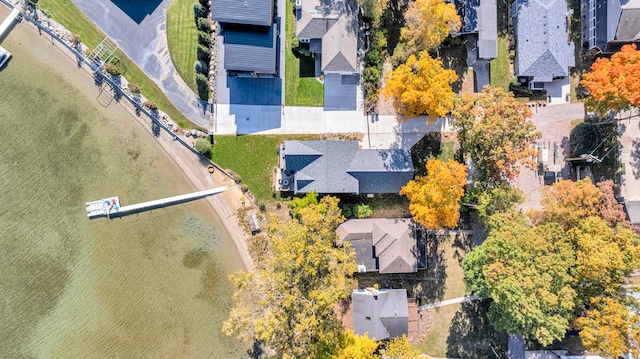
x=4, y=56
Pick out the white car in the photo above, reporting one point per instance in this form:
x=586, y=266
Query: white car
x=4, y=56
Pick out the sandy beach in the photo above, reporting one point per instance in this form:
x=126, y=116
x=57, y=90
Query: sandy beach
x=225, y=205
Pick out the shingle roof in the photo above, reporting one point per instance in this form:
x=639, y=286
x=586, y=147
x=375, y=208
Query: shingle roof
x=339, y=167
x=481, y=17
x=543, y=51
x=633, y=210
x=629, y=25
x=381, y=314
x=394, y=241
x=250, y=49
x=246, y=12
x=336, y=23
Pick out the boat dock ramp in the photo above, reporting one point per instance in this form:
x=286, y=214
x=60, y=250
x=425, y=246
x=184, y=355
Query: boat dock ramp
x=111, y=208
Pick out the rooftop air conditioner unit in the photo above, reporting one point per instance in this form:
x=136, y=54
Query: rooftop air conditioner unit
x=362, y=268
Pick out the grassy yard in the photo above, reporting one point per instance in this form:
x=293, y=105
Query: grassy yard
x=301, y=87
x=182, y=35
x=68, y=14
x=499, y=67
x=253, y=157
x=433, y=144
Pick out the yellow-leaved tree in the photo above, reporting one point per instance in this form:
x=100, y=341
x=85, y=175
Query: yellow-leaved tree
x=435, y=198
x=421, y=86
x=400, y=348
x=610, y=328
x=429, y=22
x=355, y=346
x=287, y=301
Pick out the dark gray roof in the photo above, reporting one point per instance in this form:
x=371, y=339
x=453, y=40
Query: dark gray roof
x=382, y=314
x=543, y=51
x=481, y=17
x=339, y=167
x=515, y=347
x=633, y=210
x=246, y=12
x=364, y=254
x=317, y=27
x=340, y=91
x=629, y=25
x=250, y=49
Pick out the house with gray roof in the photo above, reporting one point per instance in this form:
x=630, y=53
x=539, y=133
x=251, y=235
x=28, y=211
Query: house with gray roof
x=633, y=212
x=330, y=28
x=610, y=24
x=544, y=54
x=480, y=28
x=249, y=35
x=385, y=245
x=381, y=314
x=340, y=167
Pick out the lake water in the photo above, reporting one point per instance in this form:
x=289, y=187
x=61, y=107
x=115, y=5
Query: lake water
x=147, y=286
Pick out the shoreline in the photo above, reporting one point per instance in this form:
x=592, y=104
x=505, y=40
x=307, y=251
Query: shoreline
x=224, y=205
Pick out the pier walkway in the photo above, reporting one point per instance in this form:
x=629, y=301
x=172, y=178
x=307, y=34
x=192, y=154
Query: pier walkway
x=110, y=207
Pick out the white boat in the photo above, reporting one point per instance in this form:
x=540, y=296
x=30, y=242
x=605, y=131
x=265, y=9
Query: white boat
x=4, y=56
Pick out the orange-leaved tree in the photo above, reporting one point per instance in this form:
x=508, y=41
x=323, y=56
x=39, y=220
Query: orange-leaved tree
x=495, y=132
x=421, y=86
x=613, y=83
x=435, y=198
x=429, y=22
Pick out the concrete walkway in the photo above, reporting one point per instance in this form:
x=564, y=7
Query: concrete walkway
x=379, y=132
x=139, y=30
x=448, y=302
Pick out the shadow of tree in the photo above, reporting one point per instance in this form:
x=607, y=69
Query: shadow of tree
x=256, y=351
x=453, y=55
x=462, y=245
x=393, y=20
x=635, y=158
x=428, y=147
x=471, y=335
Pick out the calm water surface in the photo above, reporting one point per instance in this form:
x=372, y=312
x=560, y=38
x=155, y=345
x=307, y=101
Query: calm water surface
x=146, y=286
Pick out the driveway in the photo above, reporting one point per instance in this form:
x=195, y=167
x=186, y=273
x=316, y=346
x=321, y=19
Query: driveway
x=554, y=123
x=139, y=29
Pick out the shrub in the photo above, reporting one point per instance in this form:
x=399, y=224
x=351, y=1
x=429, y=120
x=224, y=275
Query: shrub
x=112, y=70
x=582, y=139
x=199, y=10
x=362, y=211
x=203, y=52
x=202, y=82
x=204, y=3
x=346, y=211
x=134, y=88
x=203, y=146
x=203, y=24
x=75, y=39
x=201, y=67
x=298, y=203
x=244, y=188
x=87, y=53
x=204, y=38
x=150, y=105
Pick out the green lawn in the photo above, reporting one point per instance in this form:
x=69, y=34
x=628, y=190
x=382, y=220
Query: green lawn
x=182, y=35
x=67, y=13
x=301, y=87
x=253, y=157
x=447, y=150
x=500, y=76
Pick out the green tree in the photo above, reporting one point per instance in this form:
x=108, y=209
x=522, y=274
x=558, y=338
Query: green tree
x=204, y=38
x=500, y=199
x=199, y=10
x=150, y=105
x=298, y=203
x=203, y=52
x=567, y=203
x=203, y=146
x=524, y=270
x=287, y=301
x=495, y=132
x=203, y=24
x=134, y=88
x=435, y=198
x=202, y=82
x=201, y=67
x=373, y=9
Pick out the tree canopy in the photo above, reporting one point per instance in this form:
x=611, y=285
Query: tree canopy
x=435, y=198
x=400, y=348
x=556, y=266
x=421, y=86
x=357, y=347
x=429, y=22
x=495, y=132
x=287, y=301
x=613, y=83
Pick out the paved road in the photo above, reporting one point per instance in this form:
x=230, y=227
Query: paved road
x=139, y=29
